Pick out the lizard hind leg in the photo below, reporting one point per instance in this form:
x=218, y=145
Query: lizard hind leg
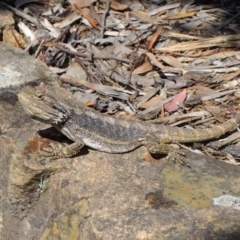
x=157, y=145
x=164, y=146
x=178, y=155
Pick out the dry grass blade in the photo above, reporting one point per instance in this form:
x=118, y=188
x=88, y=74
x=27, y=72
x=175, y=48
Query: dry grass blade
x=180, y=35
x=222, y=41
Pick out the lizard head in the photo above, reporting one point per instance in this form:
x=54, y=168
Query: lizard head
x=40, y=106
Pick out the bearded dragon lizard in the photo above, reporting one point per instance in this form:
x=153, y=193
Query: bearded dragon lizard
x=84, y=126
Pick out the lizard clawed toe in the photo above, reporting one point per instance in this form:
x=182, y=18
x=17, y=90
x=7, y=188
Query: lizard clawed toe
x=59, y=150
x=177, y=155
x=53, y=150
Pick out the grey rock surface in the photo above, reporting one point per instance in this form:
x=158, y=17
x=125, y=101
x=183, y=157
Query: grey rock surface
x=18, y=68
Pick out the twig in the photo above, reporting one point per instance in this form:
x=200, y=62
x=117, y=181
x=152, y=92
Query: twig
x=227, y=22
x=38, y=49
x=69, y=51
x=94, y=57
x=104, y=18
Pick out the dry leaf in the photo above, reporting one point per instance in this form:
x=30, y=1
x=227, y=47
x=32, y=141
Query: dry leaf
x=81, y=3
x=174, y=104
x=119, y=50
x=151, y=102
x=85, y=14
x=154, y=38
x=156, y=62
x=202, y=90
x=170, y=60
x=145, y=17
x=93, y=13
x=227, y=77
x=118, y=6
x=181, y=15
x=145, y=67
x=72, y=17
x=75, y=70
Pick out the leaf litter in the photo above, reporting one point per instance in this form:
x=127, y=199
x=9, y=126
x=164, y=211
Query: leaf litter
x=171, y=63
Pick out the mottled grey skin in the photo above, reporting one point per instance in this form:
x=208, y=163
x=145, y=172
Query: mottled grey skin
x=83, y=125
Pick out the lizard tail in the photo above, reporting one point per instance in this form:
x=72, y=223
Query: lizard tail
x=184, y=135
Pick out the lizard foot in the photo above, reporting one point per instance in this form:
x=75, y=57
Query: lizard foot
x=177, y=155
x=173, y=153
x=61, y=150
x=156, y=146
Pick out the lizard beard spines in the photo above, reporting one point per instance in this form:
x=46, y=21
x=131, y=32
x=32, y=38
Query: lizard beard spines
x=61, y=113
x=61, y=118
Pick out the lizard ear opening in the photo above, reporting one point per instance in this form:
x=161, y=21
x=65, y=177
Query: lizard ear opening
x=38, y=94
x=40, y=90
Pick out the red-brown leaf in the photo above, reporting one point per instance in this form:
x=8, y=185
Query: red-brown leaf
x=174, y=104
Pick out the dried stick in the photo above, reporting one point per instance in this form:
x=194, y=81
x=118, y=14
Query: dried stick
x=104, y=18
x=94, y=57
x=227, y=22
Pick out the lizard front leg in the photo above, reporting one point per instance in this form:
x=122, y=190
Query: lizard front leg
x=164, y=146
x=62, y=150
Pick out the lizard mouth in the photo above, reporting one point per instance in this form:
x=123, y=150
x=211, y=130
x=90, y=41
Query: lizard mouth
x=42, y=107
